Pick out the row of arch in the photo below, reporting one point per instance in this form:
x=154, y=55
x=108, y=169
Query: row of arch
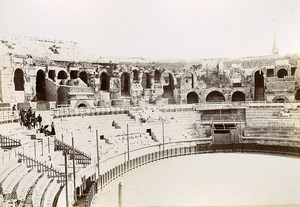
x=215, y=96
x=168, y=87
x=237, y=96
x=146, y=83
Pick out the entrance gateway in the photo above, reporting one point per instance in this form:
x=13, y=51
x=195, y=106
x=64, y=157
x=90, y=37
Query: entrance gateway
x=223, y=124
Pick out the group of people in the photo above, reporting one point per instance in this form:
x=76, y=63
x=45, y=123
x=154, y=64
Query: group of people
x=30, y=120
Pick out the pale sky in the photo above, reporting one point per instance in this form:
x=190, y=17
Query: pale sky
x=178, y=29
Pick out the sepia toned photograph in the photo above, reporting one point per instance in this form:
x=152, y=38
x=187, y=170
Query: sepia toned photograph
x=149, y=103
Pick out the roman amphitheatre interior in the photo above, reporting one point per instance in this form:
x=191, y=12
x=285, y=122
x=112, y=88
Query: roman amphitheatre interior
x=76, y=130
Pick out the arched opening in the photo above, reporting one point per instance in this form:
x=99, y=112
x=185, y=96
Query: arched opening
x=104, y=81
x=84, y=77
x=192, y=98
x=135, y=76
x=297, y=95
x=279, y=100
x=62, y=75
x=146, y=81
x=19, y=80
x=189, y=81
x=82, y=105
x=74, y=74
x=259, y=91
x=238, y=96
x=168, y=89
x=40, y=86
x=282, y=73
x=51, y=74
x=157, y=76
x=215, y=96
x=125, y=84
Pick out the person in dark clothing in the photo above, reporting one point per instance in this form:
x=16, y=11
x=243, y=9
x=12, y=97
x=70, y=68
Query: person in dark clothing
x=22, y=115
x=14, y=109
x=33, y=120
x=29, y=112
x=52, y=129
x=39, y=120
x=28, y=120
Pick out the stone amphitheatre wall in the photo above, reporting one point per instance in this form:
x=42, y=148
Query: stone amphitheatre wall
x=65, y=63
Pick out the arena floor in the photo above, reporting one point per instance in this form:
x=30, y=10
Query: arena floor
x=223, y=179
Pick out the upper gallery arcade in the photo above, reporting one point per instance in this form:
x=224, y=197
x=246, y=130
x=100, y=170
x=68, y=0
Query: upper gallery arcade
x=51, y=73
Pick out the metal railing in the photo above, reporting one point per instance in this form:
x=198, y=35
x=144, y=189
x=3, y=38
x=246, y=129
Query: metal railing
x=244, y=104
x=79, y=156
x=51, y=172
x=68, y=111
x=8, y=143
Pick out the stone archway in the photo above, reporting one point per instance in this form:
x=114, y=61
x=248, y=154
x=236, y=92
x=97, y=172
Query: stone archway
x=19, y=80
x=192, y=98
x=135, y=76
x=168, y=90
x=259, y=86
x=51, y=74
x=84, y=76
x=157, y=76
x=104, y=81
x=215, y=96
x=280, y=99
x=282, y=73
x=238, y=96
x=297, y=94
x=74, y=74
x=125, y=84
x=146, y=81
x=40, y=86
x=82, y=104
x=62, y=75
x=189, y=81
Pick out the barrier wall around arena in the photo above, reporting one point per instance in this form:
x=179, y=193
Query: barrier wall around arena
x=118, y=170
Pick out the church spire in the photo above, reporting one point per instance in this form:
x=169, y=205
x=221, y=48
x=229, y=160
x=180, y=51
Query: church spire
x=275, y=50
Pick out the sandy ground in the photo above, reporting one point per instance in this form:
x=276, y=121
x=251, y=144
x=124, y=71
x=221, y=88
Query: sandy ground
x=223, y=179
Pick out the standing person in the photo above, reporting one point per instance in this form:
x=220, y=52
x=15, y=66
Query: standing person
x=52, y=129
x=33, y=120
x=28, y=120
x=14, y=109
x=39, y=120
x=22, y=115
x=29, y=112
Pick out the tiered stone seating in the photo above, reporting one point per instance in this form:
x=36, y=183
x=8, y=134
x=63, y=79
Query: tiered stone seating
x=7, y=169
x=269, y=117
x=50, y=193
x=13, y=178
x=26, y=183
x=178, y=126
x=29, y=196
x=181, y=117
x=83, y=128
x=39, y=190
x=292, y=133
x=270, y=125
